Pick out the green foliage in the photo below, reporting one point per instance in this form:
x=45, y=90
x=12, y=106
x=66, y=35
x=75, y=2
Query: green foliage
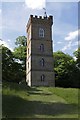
x=20, y=50
x=21, y=41
x=77, y=55
x=7, y=61
x=20, y=53
x=14, y=71
x=76, y=74
x=11, y=70
x=65, y=67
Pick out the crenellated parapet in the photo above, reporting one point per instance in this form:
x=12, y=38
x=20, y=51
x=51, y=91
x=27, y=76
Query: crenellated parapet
x=40, y=19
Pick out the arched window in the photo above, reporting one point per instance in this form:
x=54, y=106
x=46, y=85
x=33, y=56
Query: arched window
x=41, y=32
x=42, y=77
x=42, y=62
x=41, y=47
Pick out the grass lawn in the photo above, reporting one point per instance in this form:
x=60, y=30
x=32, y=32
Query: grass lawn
x=20, y=101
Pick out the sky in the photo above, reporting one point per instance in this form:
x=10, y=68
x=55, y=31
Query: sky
x=14, y=16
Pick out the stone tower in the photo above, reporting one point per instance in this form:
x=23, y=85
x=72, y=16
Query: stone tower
x=39, y=51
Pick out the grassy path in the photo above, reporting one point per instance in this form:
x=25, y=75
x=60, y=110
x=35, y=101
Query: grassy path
x=44, y=95
x=39, y=102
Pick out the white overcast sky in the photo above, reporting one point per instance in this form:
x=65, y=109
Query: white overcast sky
x=14, y=15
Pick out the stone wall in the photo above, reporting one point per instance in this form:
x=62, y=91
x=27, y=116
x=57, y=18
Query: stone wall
x=35, y=70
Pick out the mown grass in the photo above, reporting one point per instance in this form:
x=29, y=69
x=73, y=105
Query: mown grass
x=69, y=94
x=20, y=101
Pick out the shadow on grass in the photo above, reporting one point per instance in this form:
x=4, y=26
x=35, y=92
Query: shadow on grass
x=19, y=87
x=16, y=107
x=39, y=93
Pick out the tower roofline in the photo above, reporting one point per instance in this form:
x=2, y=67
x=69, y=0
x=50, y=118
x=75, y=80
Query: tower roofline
x=39, y=18
x=42, y=17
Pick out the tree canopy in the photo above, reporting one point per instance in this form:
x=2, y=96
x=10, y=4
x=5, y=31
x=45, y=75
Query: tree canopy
x=11, y=70
x=65, y=70
x=20, y=49
x=14, y=63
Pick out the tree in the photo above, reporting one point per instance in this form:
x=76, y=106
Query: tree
x=11, y=70
x=76, y=74
x=64, y=66
x=14, y=63
x=7, y=60
x=20, y=52
x=77, y=55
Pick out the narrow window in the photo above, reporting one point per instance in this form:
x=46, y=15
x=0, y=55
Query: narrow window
x=42, y=48
x=28, y=50
x=41, y=32
x=42, y=62
x=42, y=77
x=28, y=64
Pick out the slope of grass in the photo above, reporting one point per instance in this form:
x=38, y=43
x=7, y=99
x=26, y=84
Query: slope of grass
x=69, y=94
x=20, y=101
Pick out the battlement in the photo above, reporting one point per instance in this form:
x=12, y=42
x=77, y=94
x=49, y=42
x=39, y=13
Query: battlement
x=43, y=19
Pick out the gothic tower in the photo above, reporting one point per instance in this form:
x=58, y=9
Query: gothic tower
x=39, y=52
